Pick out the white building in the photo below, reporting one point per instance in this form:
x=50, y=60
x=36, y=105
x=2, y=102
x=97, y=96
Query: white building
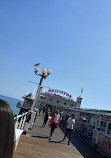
x=52, y=99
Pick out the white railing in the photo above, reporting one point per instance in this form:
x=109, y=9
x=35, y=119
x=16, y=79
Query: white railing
x=19, y=126
x=20, y=120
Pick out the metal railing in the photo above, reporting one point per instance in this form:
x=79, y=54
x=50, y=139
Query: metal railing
x=20, y=120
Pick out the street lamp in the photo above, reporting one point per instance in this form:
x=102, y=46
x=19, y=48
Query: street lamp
x=45, y=73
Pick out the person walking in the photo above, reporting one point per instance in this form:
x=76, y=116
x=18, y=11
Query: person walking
x=54, y=122
x=66, y=118
x=45, y=118
x=40, y=109
x=70, y=126
x=43, y=111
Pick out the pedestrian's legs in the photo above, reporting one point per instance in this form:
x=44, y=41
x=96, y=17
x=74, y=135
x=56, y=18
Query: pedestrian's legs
x=70, y=131
x=67, y=131
x=43, y=124
x=52, y=129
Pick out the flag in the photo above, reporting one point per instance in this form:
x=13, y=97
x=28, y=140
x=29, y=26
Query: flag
x=81, y=90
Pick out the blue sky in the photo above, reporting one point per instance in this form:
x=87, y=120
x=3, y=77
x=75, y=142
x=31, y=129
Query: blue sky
x=71, y=37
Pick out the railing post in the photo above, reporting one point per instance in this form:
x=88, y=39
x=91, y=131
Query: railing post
x=16, y=122
x=20, y=122
x=23, y=123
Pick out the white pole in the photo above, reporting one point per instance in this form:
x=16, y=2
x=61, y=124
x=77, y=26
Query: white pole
x=37, y=94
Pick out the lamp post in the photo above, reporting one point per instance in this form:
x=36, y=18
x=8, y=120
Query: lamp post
x=45, y=73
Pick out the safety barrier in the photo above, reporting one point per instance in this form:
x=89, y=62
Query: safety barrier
x=20, y=120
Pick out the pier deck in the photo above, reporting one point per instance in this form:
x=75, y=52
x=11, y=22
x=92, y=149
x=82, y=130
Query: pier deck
x=36, y=145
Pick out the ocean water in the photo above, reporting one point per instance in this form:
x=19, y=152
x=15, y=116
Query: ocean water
x=12, y=102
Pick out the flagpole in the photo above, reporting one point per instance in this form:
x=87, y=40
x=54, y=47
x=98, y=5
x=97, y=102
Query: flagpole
x=81, y=91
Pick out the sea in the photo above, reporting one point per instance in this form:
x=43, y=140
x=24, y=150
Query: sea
x=12, y=102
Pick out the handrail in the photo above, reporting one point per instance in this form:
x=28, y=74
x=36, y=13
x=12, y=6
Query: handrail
x=20, y=120
x=18, y=116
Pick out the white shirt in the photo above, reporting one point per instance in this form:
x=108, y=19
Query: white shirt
x=56, y=118
x=70, y=123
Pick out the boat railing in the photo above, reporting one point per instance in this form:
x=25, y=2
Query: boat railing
x=20, y=120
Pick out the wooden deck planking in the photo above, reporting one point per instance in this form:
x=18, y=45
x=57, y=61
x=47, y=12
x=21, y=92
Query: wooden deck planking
x=36, y=145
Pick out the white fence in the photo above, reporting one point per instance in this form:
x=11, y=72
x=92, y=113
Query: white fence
x=20, y=120
x=19, y=126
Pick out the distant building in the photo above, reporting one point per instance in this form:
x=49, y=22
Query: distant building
x=52, y=99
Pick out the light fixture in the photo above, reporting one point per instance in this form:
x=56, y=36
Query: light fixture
x=44, y=71
x=49, y=71
x=45, y=75
x=36, y=69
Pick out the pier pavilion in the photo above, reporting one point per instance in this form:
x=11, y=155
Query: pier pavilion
x=57, y=98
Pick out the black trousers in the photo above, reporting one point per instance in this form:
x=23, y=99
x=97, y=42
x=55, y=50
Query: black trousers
x=52, y=129
x=44, y=123
x=68, y=131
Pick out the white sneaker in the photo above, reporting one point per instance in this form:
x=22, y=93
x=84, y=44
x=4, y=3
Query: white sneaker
x=50, y=138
